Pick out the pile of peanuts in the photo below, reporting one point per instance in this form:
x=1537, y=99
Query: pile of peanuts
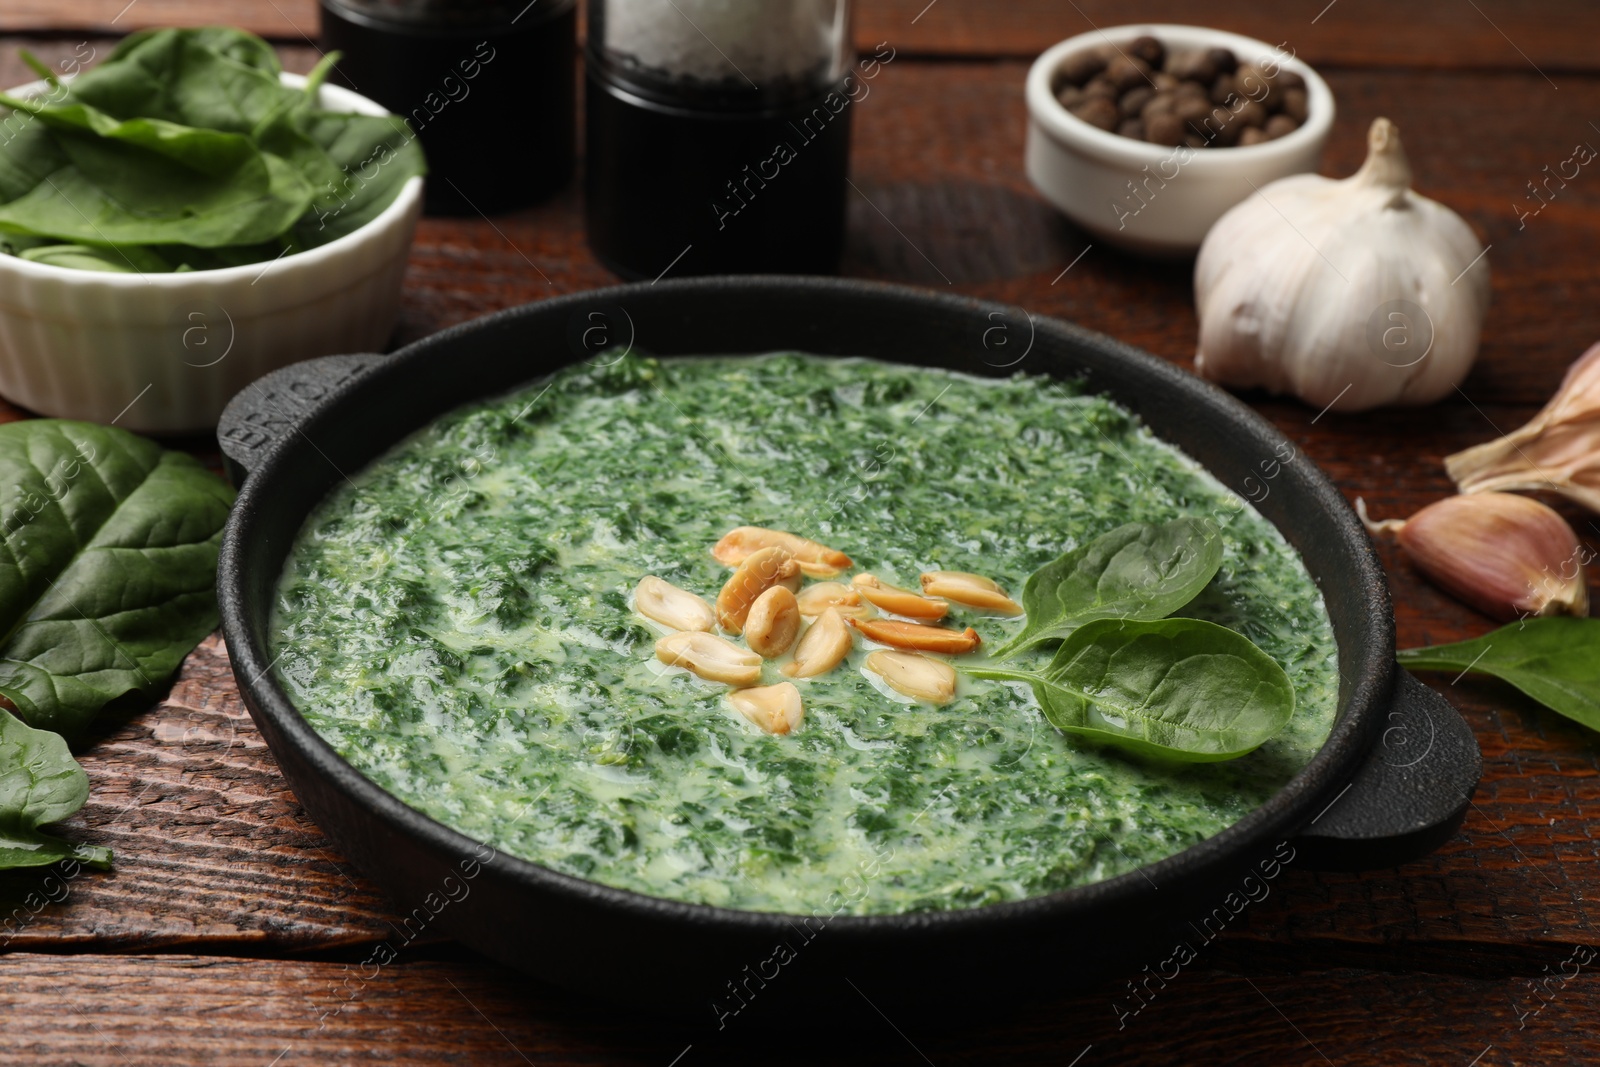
x=1203, y=98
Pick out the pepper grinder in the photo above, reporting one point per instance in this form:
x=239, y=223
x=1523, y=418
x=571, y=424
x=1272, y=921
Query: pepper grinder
x=488, y=86
x=717, y=135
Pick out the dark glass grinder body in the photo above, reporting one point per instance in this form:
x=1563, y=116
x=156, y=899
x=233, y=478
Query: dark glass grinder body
x=712, y=190
x=490, y=91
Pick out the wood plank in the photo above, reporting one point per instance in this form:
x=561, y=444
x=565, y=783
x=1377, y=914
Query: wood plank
x=166, y=1010
x=1437, y=34
x=280, y=19
x=211, y=846
x=1552, y=37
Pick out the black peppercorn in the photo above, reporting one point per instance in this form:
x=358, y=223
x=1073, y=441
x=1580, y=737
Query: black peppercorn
x=1223, y=60
x=1081, y=66
x=1193, y=64
x=1133, y=101
x=1278, y=125
x=1200, y=97
x=1165, y=128
x=1099, y=86
x=1148, y=49
x=1125, y=72
x=1159, y=104
x=1251, y=114
x=1098, y=111
x=1294, y=104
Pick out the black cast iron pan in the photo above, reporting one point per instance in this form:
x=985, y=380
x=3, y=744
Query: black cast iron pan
x=1392, y=781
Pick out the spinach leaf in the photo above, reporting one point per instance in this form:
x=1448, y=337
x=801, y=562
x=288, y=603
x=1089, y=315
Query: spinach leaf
x=1555, y=660
x=29, y=156
x=127, y=260
x=185, y=141
x=40, y=783
x=1181, y=690
x=194, y=78
x=238, y=45
x=370, y=157
x=1136, y=572
x=208, y=151
x=109, y=566
x=146, y=181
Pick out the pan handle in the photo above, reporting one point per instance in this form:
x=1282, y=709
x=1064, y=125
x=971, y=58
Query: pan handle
x=1411, y=794
x=269, y=408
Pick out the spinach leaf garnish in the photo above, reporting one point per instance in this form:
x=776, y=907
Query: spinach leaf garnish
x=184, y=151
x=40, y=783
x=1181, y=690
x=108, y=563
x=1174, y=689
x=1136, y=572
x=1554, y=660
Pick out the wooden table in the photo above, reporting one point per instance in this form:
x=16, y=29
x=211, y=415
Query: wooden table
x=230, y=929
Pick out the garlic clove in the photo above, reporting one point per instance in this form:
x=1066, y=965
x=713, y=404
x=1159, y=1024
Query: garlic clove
x=1558, y=449
x=1508, y=556
x=1348, y=294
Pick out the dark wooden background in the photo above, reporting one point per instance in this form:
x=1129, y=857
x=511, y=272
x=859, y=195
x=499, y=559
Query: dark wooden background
x=230, y=925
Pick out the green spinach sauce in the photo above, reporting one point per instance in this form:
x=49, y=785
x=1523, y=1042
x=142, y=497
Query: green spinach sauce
x=456, y=623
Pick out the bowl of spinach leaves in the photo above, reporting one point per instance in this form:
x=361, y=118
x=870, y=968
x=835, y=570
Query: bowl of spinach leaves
x=183, y=217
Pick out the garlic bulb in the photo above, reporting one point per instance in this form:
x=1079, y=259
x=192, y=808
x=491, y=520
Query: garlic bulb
x=1507, y=556
x=1559, y=448
x=1349, y=294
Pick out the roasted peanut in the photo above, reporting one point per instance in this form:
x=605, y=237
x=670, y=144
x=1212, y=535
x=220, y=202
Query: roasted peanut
x=971, y=590
x=658, y=599
x=915, y=676
x=777, y=709
x=915, y=635
x=815, y=599
x=760, y=571
x=899, y=601
x=710, y=657
x=822, y=647
x=773, y=623
x=816, y=560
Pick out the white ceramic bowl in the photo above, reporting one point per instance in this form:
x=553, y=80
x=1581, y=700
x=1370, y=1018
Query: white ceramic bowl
x=1091, y=175
x=164, y=353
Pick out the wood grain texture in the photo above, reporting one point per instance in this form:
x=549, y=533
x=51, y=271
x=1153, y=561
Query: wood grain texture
x=155, y=1011
x=1554, y=37
x=1418, y=34
x=286, y=19
x=211, y=847
x=1433, y=963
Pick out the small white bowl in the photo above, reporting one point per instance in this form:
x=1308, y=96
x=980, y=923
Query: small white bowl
x=1091, y=174
x=164, y=353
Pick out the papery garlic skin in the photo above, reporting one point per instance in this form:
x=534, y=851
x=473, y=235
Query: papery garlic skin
x=1558, y=449
x=1314, y=287
x=1508, y=556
